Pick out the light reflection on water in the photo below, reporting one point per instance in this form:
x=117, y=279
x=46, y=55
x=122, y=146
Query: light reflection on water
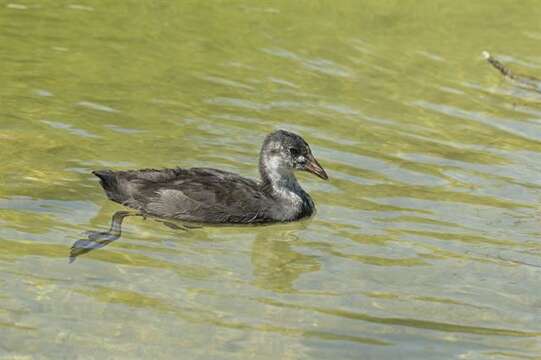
x=426, y=240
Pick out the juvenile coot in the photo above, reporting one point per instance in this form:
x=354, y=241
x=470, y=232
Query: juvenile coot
x=212, y=196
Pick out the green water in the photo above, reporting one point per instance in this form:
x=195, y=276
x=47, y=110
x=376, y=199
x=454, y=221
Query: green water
x=426, y=241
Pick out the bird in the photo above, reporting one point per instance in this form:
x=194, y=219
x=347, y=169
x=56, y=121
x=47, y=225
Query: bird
x=212, y=196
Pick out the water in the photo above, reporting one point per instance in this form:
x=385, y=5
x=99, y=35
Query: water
x=426, y=242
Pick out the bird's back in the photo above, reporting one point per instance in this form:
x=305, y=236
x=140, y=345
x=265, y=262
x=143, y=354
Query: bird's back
x=197, y=194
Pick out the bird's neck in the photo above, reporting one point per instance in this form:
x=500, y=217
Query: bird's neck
x=278, y=179
x=282, y=184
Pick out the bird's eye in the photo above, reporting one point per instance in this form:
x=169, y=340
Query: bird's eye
x=294, y=151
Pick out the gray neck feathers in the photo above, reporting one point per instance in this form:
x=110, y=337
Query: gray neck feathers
x=279, y=178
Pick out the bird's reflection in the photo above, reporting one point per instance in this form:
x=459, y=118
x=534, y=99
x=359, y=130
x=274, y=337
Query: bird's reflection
x=276, y=265
x=99, y=239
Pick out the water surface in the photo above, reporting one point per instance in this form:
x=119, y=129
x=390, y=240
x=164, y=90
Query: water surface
x=426, y=242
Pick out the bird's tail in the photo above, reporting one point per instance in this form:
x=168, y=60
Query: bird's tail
x=109, y=183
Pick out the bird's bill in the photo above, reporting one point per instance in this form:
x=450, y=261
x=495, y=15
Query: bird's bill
x=314, y=167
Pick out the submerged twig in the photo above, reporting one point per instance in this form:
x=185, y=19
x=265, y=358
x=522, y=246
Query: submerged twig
x=498, y=65
x=526, y=81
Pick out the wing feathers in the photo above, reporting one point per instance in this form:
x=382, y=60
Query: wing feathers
x=197, y=194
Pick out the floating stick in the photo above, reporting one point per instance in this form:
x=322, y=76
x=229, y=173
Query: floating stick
x=527, y=81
